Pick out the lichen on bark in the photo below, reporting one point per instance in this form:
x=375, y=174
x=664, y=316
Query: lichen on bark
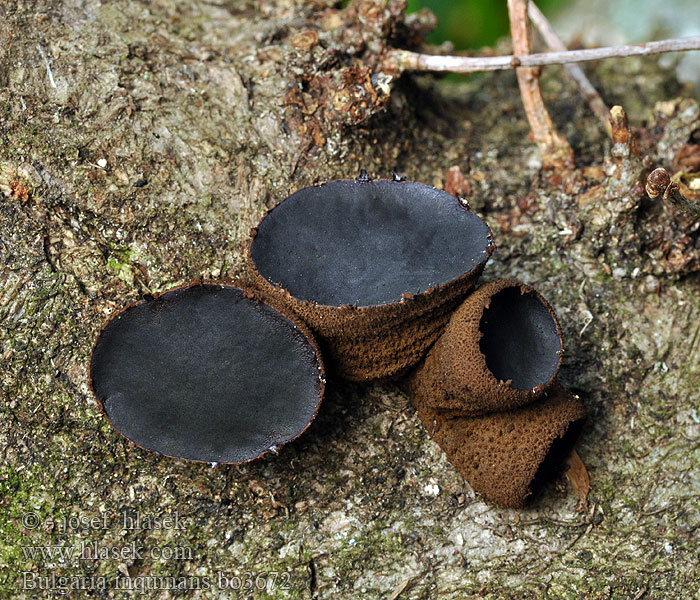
x=165, y=131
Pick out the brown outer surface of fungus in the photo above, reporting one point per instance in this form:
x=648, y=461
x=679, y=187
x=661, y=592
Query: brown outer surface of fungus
x=365, y=343
x=250, y=294
x=508, y=456
x=454, y=378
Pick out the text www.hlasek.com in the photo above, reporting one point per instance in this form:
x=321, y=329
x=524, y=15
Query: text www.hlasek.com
x=92, y=551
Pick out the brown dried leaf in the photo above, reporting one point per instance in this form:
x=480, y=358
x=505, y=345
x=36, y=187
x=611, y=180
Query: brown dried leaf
x=456, y=184
x=578, y=476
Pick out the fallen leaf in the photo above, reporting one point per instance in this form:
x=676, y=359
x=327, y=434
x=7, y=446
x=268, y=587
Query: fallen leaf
x=456, y=183
x=578, y=476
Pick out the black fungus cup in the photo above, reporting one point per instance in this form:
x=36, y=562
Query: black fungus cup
x=208, y=373
x=374, y=268
x=501, y=349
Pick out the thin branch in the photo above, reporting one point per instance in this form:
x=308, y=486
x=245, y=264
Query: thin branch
x=405, y=60
x=544, y=27
x=554, y=148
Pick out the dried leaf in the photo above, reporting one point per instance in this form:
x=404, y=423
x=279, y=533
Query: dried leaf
x=578, y=476
x=456, y=184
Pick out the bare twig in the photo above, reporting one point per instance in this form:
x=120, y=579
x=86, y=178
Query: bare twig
x=405, y=60
x=544, y=27
x=554, y=148
x=659, y=182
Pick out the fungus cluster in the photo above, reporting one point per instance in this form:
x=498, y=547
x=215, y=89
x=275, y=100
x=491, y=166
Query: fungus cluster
x=382, y=273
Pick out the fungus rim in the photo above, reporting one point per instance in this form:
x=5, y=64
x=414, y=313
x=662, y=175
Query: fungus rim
x=525, y=289
x=455, y=375
x=489, y=248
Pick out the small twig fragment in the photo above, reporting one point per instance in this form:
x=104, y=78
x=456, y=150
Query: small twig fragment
x=554, y=148
x=620, y=133
x=48, y=66
x=544, y=27
x=659, y=183
x=400, y=589
x=626, y=168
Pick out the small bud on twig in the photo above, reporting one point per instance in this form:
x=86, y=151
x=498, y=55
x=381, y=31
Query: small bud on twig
x=659, y=183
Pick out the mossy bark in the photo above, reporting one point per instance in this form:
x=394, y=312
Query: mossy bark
x=140, y=141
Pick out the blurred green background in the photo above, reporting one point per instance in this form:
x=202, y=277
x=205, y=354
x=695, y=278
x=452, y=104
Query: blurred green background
x=473, y=23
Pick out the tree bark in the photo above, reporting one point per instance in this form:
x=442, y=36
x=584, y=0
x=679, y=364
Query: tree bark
x=140, y=141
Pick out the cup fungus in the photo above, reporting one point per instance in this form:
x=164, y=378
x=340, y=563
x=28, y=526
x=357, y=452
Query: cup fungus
x=500, y=350
x=207, y=373
x=508, y=456
x=375, y=268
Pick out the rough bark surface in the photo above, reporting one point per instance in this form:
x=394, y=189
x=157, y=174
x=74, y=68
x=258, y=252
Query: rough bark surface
x=140, y=141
